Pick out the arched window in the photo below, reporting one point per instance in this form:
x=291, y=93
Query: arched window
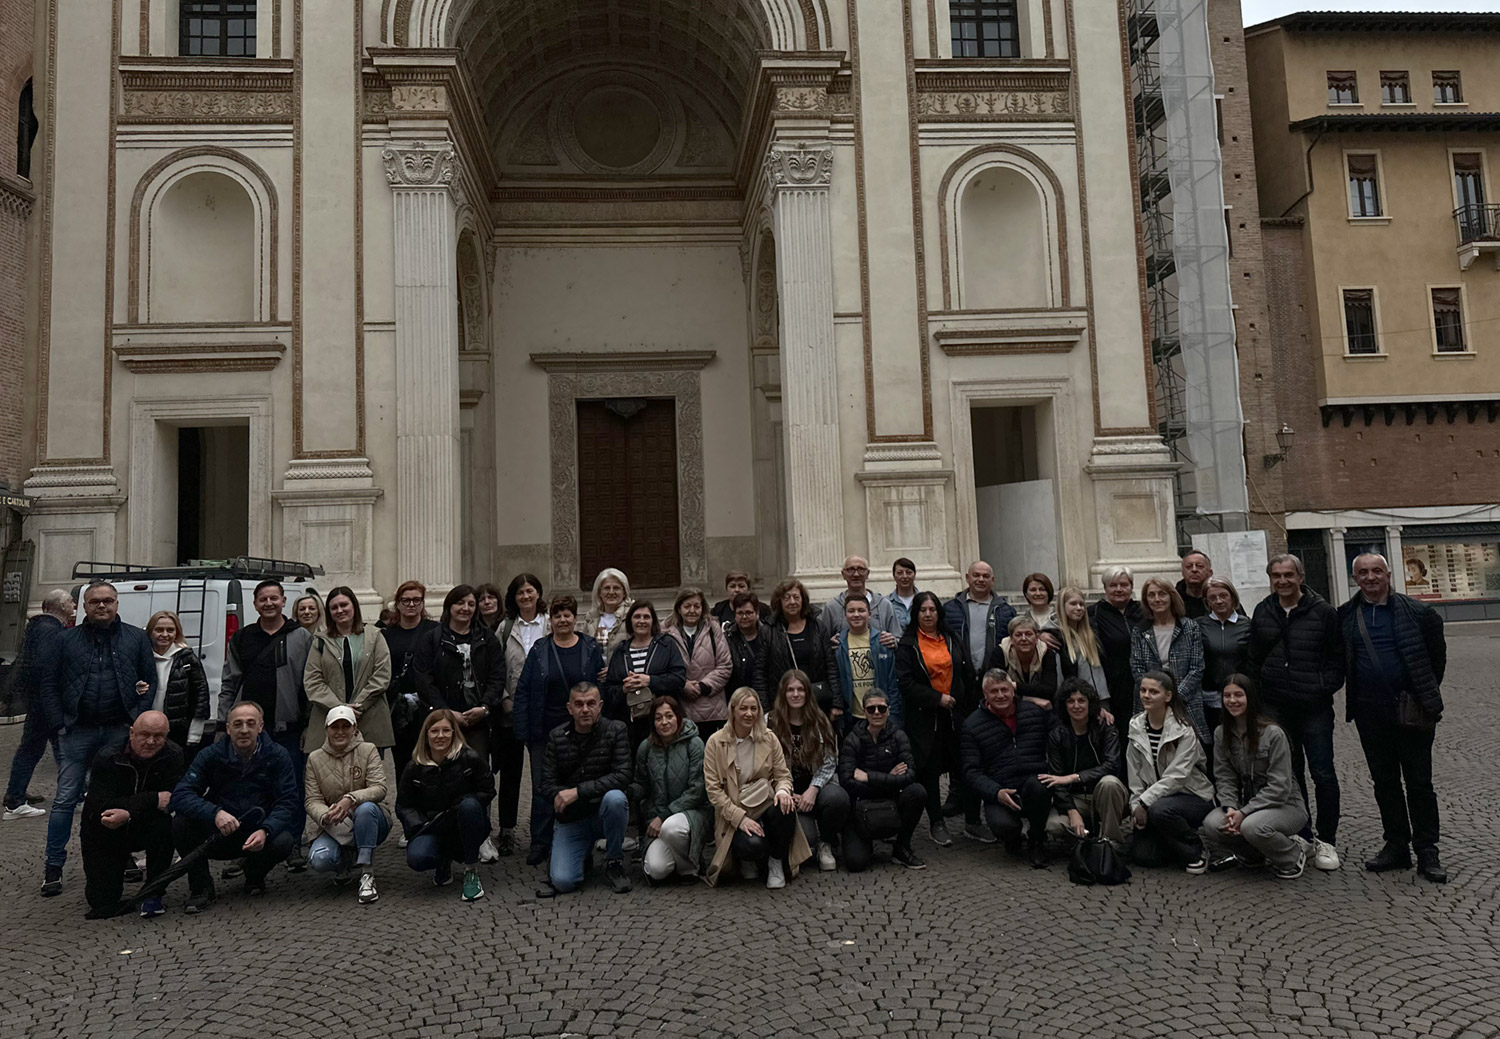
x=26, y=127
x=217, y=28
x=1005, y=251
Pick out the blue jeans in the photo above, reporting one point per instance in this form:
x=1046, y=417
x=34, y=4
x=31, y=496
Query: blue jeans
x=28, y=756
x=457, y=835
x=370, y=829
x=541, y=807
x=1309, y=730
x=572, y=843
x=76, y=750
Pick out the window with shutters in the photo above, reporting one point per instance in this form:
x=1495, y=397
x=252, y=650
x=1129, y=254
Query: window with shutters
x=1360, y=336
x=1448, y=320
x=216, y=28
x=1364, y=184
x=1343, y=88
x=989, y=29
x=1447, y=88
x=1395, y=88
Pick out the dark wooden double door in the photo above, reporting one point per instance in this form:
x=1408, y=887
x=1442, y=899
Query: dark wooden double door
x=627, y=491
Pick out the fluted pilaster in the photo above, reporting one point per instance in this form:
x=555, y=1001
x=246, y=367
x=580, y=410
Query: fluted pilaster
x=798, y=179
x=426, y=306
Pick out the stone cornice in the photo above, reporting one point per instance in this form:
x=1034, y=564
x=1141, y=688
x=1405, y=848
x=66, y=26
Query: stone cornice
x=201, y=357
x=625, y=360
x=803, y=88
x=198, y=93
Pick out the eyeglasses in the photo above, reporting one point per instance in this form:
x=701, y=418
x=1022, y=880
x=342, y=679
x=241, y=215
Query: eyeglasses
x=101, y=602
x=409, y=601
x=876, y=708
x=856, y=569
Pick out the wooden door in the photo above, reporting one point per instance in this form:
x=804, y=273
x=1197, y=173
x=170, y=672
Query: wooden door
x=627, y=491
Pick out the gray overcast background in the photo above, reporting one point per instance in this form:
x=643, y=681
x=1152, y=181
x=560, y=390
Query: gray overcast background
x=1262, y=10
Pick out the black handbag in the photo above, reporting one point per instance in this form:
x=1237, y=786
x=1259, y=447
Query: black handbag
x=878, y=819
x=1095, y=861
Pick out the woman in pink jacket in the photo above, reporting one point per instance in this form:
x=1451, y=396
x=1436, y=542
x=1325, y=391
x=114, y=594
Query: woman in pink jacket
x=706, y=650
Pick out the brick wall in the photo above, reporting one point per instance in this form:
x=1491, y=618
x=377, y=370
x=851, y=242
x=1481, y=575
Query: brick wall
x=1247, y=270
x=17, y=218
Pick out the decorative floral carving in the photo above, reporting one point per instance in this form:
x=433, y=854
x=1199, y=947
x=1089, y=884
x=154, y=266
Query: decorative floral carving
x=421, y=166
x=998, y=105
x=799, y=167
x=220, y=106
x=409, y=98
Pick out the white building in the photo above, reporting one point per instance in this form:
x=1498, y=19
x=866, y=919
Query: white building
x=449, y=289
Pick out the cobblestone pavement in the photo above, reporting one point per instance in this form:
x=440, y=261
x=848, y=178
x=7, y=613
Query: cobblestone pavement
x=975, y=945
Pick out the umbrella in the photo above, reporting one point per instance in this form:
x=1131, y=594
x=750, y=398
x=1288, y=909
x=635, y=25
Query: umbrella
x=159, y=884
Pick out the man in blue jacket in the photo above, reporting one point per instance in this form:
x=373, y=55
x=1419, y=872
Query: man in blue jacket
x=249, y=773
x=94, y=680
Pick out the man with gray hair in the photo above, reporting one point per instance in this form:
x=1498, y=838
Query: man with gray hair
x=1297, y=656
x=95, y=679
x=57, y=613
x=1395, y=658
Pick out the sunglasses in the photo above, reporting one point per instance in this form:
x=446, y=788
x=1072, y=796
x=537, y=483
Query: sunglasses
x=876, y=708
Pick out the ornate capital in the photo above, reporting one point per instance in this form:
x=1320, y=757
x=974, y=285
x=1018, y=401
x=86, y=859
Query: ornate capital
x=798, y=166
x=421, y=165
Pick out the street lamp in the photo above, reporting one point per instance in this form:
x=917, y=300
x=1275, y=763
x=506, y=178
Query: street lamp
x=1284, y=442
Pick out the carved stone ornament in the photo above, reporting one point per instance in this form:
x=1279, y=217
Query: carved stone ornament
x=420, y=165
x=1001, y=105
x=189, y=106
x=799, y=167
x=419, y=98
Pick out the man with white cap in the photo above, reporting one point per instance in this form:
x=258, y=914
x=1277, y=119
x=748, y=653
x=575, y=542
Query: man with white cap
x=347, y=810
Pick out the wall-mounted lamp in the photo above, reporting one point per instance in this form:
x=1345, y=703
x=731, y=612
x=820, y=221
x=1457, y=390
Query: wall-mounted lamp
x=1284, y=442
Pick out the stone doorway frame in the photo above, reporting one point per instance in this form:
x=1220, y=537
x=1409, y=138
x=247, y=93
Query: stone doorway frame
x=572, y=377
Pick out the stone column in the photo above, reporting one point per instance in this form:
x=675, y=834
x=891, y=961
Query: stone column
x=1393, y=556
x=423, y=182
x=1338, y=584
x=798, y=177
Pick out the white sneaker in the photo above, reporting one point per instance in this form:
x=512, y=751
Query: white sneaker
x=826, y=861
x=630, y=845
x=1325, y=856
x=748, y=870
x=401, y=841
x=775, y=876
x=24, y=811
x=488, y=852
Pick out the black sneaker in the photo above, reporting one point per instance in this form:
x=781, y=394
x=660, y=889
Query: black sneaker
x=52, y=882
x=1038, y=856
x=296, y=862
x=1391, y=857
x=443, y=874
x=198, y=901
x=1198, y=866
x=614, y=872
x=904, y=856
x=134, y=875
x=538, y=854
x=234, y=869
x=505, y=844
x=1430, y=866
x=255, y=886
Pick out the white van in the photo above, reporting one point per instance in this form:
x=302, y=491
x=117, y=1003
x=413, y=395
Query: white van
x=212, y=599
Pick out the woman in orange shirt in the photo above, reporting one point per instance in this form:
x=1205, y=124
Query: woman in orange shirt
x=931, y=665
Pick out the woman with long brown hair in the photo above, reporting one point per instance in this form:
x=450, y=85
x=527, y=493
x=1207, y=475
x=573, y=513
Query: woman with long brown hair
x=811, y=750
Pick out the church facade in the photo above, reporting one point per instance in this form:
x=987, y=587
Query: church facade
x=454, y=289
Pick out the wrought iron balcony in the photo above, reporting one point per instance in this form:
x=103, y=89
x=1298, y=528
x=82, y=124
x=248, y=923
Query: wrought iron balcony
x=1478, y=228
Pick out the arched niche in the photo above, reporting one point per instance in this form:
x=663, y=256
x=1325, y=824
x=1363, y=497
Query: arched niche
x=203, y=241
x=1004, y=230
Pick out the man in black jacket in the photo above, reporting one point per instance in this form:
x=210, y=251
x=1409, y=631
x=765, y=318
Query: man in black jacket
x=1004, y=751
x=126, y=810
x=585, y=773
x=57, y=613
x=1297, y=655
x=1396, y=656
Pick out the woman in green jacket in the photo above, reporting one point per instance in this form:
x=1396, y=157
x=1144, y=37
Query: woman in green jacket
x=669, y=788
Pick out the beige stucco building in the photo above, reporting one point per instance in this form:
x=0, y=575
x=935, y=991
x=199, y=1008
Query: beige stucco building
x=1374, y=141
x=450, y=289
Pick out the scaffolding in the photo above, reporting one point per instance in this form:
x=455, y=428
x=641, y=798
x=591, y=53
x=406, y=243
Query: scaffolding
x=1187, y=262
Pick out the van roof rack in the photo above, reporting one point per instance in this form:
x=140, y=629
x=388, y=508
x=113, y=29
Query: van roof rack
x=239, y=566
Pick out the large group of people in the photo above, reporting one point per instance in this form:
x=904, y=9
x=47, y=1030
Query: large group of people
x=739, y=740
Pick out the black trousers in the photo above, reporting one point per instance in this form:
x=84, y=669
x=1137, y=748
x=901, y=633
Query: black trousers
x=779, y=827
x=936, y=754
x=508, y=758
x=1005, y=822
x=1395, y=753
x=1170, y=836
x=106, y=853
x=859, y=846
x=188, y=834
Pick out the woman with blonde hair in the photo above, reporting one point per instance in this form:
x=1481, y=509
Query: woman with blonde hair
x=443, y=803
x=181, y=684
x=308, y=612
x=1081, y=653
x=750, y=788
x=605, y=620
